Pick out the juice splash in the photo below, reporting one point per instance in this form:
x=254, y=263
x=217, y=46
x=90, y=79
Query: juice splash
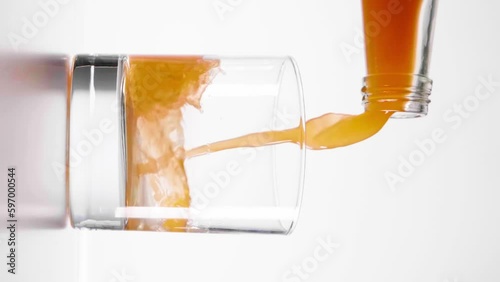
x=156, y=89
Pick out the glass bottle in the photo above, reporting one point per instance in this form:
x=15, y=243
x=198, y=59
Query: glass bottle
x=398, y=43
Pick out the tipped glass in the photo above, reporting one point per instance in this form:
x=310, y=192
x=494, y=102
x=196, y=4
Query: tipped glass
x=129, y=168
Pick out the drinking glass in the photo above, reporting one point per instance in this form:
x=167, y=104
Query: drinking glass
x=131, y=131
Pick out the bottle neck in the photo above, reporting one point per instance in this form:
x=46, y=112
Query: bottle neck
x=406, y=95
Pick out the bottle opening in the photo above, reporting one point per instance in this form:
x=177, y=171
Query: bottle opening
x=407, y=95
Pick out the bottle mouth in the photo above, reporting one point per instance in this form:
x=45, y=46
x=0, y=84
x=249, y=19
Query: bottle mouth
x=406, y=95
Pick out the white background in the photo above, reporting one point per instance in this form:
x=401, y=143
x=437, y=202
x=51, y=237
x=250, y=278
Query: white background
x=441, y=224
